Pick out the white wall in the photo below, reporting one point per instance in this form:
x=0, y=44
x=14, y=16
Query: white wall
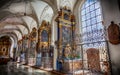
x=111, y=12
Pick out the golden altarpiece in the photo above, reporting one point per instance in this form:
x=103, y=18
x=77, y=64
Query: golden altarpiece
x=67, y=60
x=25, y=48
x=32, y=48
x=5, y=46
x=19, y=50
x=44, y=47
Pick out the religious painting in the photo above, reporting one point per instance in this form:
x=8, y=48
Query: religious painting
x=66, y=16
x=44, y=36
x=34, y=34
x=33, y=44
x=66, y=35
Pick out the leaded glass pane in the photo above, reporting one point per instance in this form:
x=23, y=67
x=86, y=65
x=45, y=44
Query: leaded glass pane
x=93, y=47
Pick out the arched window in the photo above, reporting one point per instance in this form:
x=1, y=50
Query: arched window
x=92, y=28
x=94, y=50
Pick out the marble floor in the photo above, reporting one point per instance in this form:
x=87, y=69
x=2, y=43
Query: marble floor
x=17, y=69
x=13, y=68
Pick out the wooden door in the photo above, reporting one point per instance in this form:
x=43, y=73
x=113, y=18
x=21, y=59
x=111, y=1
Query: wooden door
x=93, y=59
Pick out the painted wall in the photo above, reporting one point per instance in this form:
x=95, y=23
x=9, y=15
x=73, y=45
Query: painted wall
x=111, y=12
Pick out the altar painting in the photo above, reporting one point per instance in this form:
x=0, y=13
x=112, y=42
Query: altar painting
x=44, y=36
x=66, y=35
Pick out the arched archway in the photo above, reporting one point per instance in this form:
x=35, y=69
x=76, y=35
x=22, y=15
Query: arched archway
x=13, y=43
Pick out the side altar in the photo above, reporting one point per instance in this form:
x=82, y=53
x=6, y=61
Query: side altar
x=68, y=60
x=44, y=46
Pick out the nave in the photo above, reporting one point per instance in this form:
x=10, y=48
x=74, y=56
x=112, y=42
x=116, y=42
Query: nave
x=73, y=37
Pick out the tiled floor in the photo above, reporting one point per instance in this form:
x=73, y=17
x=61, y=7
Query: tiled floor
x=17, y=69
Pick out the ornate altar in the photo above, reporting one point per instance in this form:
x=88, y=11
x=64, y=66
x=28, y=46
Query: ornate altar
x=44, y=47
x=66, y=45
x=19, y=50
x=25, y=48
x=5, y=45
x=71, y=66
x=32, y=50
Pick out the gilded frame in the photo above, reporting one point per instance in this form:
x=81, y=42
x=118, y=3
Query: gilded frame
x=45, y=26
x=66, y=24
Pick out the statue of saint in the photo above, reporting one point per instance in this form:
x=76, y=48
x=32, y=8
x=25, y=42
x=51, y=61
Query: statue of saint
x=67, y=51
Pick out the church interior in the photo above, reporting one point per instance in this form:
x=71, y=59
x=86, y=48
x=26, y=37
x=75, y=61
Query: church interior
x=59, y=37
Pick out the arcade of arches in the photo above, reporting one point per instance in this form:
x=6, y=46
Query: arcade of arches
x=76, y=37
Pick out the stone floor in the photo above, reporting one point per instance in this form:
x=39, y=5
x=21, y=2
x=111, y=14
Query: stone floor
x=17, y=69
x=13, y=68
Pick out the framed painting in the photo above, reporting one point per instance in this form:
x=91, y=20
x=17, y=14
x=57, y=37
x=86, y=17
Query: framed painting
x=44, y=36
x=66, y=35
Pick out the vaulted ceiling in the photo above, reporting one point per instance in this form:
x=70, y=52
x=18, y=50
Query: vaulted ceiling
x=20, y=16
